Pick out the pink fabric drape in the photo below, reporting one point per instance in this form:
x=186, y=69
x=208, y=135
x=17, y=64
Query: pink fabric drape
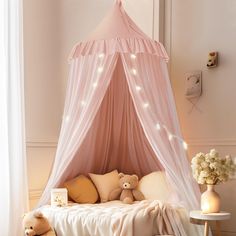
x=153, y=99
x=89, y=79
x=116, y=139
x=120, y=112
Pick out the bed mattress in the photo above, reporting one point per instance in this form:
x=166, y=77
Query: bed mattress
x=144, y=218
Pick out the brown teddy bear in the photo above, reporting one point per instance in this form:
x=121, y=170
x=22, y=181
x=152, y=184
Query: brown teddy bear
x=34, y=223
x=127, y=192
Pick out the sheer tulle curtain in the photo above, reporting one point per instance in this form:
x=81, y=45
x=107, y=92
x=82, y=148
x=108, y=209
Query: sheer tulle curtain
x=13, y=184
x=152, y=96
x=115, y=139
x=89, y=79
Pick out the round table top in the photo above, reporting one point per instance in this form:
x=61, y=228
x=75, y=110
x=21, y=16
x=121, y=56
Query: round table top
x=210, y=216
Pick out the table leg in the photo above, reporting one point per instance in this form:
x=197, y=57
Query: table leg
x=218, y=230
x=206, y=230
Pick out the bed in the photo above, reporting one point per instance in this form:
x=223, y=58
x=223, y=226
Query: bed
x=144, y=218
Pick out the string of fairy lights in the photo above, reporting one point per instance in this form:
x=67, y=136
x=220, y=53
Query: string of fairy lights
x=159, y=126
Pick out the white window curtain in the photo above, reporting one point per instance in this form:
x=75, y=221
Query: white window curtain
x=13, y=184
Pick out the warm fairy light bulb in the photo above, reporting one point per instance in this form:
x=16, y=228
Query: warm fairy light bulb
x=83, y=103
x=95, y=84
x=170, y=137
x=132, y=56
x=101, y=55
x=134, y=71
x=158, y=126
x=185, y=145
x=138, y=88
x=146, y=105
x=67, y=118
x=100, y=69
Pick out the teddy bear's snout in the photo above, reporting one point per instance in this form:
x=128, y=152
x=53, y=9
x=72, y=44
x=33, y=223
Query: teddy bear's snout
x=29, y=232
x=126, y=185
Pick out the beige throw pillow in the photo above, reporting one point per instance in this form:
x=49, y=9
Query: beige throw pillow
x=105, y=183
x=154, y=186
x=82, y=190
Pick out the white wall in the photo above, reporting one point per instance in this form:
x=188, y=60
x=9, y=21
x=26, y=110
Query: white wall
x=43, y=88
x=194, y=28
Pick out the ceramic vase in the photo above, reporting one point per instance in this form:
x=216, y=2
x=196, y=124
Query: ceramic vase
x=210, y=200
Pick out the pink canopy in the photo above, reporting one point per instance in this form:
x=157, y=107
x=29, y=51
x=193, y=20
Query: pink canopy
x=120, y=111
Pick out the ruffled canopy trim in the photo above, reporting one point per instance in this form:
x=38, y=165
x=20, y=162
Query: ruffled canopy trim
x=118, y=45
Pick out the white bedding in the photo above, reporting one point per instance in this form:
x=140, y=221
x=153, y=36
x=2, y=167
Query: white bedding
x=145, y=218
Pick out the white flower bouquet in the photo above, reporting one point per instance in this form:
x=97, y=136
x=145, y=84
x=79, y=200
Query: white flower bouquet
x=212, y=169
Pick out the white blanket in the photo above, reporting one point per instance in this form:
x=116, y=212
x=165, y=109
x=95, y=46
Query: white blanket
x=145, y=218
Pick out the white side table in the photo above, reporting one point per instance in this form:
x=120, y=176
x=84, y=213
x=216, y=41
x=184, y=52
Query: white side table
x=217, y=217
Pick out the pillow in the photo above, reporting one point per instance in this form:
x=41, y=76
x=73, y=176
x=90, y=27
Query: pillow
x=154, y=186
x=82, y=190
x=105, y=183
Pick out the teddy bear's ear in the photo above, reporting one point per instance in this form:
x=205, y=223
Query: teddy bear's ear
x=121, y=175
x=38, y=214
x=135, y=176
